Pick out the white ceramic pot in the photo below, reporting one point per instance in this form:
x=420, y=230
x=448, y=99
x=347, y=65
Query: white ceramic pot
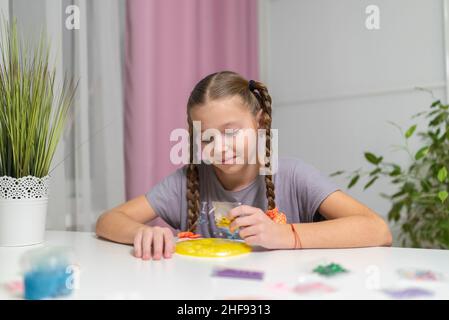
x=23, y=210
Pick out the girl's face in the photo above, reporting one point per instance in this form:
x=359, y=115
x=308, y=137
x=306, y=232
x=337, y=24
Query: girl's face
x=228, y=133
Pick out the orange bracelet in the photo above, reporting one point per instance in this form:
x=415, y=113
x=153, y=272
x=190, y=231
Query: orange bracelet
x=276, y=216
x=297, y=239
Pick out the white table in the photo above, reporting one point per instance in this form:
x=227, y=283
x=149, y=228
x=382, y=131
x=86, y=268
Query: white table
x=109, y=271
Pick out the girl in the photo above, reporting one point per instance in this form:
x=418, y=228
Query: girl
x=318, y=214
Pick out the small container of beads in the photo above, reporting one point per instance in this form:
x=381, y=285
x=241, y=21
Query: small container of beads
x=48, y=272
x=222, y=220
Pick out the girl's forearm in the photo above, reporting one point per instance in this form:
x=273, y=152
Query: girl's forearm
x=118, y=227
x=347, y=232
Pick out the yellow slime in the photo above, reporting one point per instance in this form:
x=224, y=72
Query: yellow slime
x=212, y=248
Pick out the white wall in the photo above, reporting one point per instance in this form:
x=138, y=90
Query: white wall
x=335, y=84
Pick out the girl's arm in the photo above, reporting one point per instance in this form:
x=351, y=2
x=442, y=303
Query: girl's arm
x=126, y=224
x=349, y=224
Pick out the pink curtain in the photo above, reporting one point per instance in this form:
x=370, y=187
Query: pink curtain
x=170, y=46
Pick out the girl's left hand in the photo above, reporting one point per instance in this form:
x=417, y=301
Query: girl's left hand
x=256, y=228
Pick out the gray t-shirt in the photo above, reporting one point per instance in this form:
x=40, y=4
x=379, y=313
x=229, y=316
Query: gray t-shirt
x=299, y=190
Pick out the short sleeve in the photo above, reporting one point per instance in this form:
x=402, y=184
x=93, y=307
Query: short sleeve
x=167, y=196
x=312, y=187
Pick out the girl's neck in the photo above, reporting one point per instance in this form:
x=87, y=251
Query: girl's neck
x=238, y=180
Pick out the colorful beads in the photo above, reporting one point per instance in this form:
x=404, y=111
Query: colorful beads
x=223, y=222
x=329, y=270
x=188, y=235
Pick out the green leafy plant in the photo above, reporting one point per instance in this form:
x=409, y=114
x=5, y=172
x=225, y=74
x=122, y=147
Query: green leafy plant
x=33, y=112
x=420, y=202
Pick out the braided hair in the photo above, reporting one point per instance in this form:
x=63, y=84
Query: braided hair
x=255, y=96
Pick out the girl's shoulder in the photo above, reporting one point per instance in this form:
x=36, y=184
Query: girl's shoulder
x=289, y=165
x=290, y=168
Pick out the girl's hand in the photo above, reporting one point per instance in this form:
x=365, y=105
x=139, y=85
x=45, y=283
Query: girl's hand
x=153, y=242
x=256, y=228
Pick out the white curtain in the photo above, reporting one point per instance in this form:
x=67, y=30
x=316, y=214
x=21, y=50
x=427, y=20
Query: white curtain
x=4, y=7
x=88, y=175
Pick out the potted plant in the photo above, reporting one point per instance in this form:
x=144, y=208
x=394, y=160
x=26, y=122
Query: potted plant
x=420, y=203
x=33, y=114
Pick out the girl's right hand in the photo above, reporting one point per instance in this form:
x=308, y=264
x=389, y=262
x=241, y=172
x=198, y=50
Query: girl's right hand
x=154, y=242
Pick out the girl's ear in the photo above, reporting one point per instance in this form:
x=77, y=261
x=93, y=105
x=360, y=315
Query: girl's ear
x=259, y=119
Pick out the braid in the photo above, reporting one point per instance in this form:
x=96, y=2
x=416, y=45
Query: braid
x=261, y=93
x=193, y=188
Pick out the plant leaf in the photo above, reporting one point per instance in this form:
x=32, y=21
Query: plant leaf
x=442, y=174
x=421, y=153
x=442, y=195
x=370, y=183
x=396, y=171
x=395, y=211
x=410, y=131
x=336, y=173
x=372, y=158
x=425, y=185
x=435, y=103
x=437, y=120
x=398, y=194
x=353, y=181
x=33, y=107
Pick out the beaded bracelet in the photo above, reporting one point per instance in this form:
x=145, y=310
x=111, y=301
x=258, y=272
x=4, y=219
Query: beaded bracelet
x=276, y=216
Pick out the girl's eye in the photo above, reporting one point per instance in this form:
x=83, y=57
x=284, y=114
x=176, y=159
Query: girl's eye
x=231, y=132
